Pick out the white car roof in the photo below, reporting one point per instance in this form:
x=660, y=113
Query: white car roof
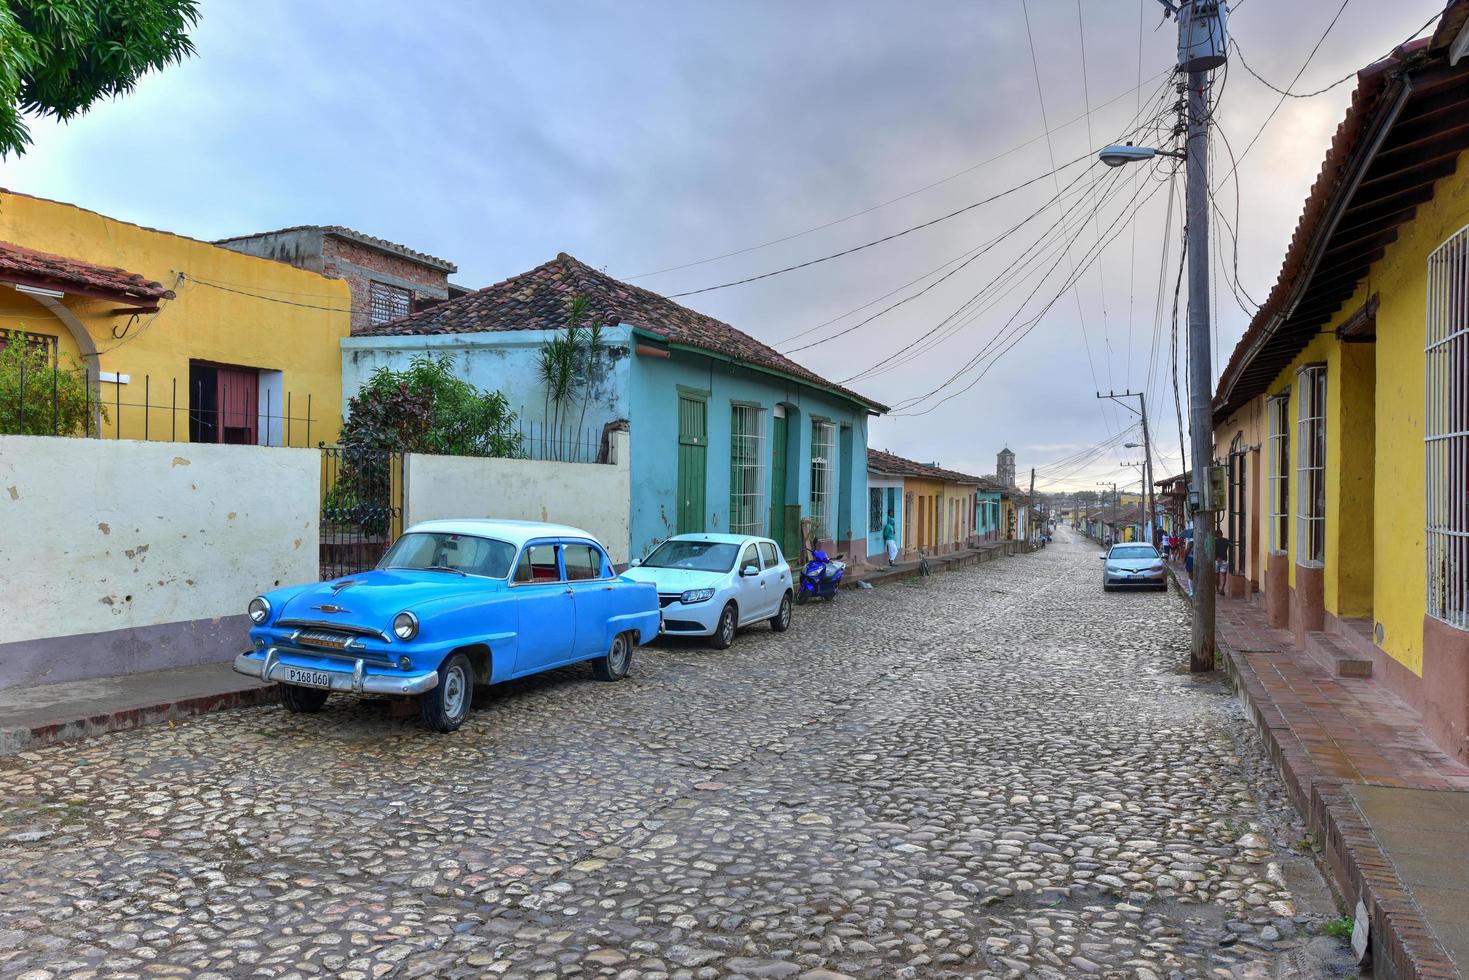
x=512, y=532
x=718, y=538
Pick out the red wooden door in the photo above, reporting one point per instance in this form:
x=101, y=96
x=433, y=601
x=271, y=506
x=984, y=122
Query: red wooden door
x=237, y=393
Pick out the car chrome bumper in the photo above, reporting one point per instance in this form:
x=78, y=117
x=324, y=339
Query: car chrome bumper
x=263, y=663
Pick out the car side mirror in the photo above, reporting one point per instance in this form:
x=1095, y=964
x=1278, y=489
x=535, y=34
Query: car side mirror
x=634, y=563
x=749, y=570
x=1101, y=557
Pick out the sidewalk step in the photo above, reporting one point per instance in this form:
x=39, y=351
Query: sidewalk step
x=1337, y=658
x=34, y=717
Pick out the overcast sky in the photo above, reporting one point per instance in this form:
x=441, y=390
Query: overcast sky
x=640, y=135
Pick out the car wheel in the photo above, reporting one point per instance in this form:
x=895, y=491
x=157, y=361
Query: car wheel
x=781, y=621
x=302, y=700
x=613, y=665
x=724, y=633
x=445, y=707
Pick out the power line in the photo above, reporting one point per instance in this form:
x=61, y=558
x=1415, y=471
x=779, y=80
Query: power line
x=1041, y=97
x=1304, y=65
x=886, y=238
x=1037, y=250
x=928, y=339
x=901, y=197
x=975, y=254
x=1016, y=334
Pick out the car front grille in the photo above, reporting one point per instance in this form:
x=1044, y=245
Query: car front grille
x=667, y=599
x=326, y=639
x=683, y=625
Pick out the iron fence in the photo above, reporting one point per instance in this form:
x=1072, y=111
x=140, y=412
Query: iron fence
x=563, y=443
x=361, y=508
x=56, y=401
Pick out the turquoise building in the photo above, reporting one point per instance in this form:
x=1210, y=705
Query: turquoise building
x=725, y=433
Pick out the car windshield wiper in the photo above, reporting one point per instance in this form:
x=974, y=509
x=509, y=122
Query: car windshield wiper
x=443, y=568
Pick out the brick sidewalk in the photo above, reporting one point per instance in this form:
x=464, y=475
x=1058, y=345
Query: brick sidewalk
x=1336, y=740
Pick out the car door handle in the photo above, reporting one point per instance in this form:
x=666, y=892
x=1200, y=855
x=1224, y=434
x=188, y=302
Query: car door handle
x=606, y=588
x=569, y=591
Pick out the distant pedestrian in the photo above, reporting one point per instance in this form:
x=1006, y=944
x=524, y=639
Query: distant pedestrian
x=890, y=538
x=1221, y=562
x=1188, y=564
x=1167, y=547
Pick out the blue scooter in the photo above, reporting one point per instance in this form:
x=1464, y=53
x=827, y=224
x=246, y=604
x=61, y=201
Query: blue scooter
x=821, y=576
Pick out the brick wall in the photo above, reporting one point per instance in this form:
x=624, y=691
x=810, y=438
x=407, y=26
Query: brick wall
x=360, y=265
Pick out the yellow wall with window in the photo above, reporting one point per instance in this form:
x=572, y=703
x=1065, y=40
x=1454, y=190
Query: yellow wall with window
x=293, y=324
x=1375, y=460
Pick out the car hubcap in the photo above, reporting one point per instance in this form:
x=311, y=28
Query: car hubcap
x=785, y=611
x=727, y=628
x=617, y=659
x=454, y=692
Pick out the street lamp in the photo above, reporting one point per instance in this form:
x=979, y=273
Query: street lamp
x=1119, y=154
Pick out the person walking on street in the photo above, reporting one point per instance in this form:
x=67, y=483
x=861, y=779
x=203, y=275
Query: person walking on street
x=890, y=538
x=1221, y=562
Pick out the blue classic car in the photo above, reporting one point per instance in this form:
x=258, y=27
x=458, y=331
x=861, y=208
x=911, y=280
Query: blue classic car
x=452, y=604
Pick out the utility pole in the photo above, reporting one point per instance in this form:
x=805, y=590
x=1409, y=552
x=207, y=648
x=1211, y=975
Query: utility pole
x=1149, y=501
x=1202, y=47
x=1030, y=524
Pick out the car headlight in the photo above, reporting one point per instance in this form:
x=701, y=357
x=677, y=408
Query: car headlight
x=259, y=610
x=696, y=595
x=405, y=626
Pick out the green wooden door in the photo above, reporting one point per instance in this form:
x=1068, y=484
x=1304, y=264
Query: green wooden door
x=778, y=482
x=693, y=448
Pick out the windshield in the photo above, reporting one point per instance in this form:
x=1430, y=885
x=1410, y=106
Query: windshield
x=441, y=551
x=699, y=556
x=1134, y=551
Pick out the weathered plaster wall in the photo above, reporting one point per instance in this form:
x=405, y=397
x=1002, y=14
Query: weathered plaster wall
x=590, y=496
x=654, y=422
x=237, y=321
x=891, y=489
x=101, y=540
x=504, y=361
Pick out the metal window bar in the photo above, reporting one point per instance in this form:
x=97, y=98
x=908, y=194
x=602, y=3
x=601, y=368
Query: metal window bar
x=1311, y=467
x=387, y=302
x=823, y=451
x=747, y=507
x=1446, y=431
x=1279, y=441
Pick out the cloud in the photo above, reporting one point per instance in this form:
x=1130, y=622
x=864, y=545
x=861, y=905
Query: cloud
x=646, y=134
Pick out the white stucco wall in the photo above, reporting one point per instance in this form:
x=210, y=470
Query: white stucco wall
x=591, y=496
x=504, y=361
x=102, y=535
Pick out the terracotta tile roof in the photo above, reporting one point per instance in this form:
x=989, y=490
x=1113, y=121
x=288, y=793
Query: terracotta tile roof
x=893, y=465
x=351, y=234
x=18, y=263
x=536, y=300
x=1273, y=337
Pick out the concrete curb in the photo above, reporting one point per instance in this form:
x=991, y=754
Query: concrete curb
x=1403, y=944
x=14, y=740
x=937, y=565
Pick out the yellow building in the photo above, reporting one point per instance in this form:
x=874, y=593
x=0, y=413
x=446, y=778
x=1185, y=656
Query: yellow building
x=938, y=504
x=183, y=340
x=1343, y=414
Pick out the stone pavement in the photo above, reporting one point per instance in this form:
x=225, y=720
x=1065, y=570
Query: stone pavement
x=999, y=771
x=37, y=716
x=1390, y=807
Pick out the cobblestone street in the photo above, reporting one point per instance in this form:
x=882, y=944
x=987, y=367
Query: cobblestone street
x=991, y=772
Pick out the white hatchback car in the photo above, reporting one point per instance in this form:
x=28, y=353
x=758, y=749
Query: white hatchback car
x=712, y=584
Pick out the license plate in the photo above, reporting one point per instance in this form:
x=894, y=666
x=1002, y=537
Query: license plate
x=308, y=678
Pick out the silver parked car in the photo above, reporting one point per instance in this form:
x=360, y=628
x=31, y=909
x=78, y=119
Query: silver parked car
x=1133, y=565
